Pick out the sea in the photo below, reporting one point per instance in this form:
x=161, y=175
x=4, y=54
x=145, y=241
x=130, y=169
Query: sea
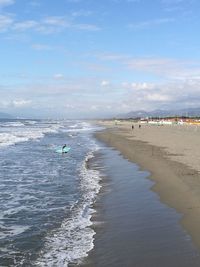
x=88, y=207
x=46, y=198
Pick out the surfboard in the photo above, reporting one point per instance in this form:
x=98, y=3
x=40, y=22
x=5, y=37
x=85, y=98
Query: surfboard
x=64, y=150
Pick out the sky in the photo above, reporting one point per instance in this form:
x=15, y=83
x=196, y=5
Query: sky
x=98, y=58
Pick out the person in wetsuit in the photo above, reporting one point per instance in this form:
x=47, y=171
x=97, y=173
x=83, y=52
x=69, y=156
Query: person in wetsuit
x=63, y=148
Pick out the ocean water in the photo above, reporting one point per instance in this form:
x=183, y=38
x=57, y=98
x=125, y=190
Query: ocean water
x=46, y=198
x=47, y=203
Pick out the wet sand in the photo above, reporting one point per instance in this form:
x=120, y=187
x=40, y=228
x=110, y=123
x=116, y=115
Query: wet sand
x=172, y=155
x=133, y=227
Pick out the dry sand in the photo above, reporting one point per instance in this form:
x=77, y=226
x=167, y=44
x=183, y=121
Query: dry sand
x=172, y=155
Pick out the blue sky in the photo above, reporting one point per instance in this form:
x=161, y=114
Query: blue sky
x=87, y=58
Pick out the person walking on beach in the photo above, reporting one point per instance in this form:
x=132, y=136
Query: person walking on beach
x=132, y=127
x=139, y=126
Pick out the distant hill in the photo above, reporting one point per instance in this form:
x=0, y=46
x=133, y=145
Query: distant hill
x=191, y=112
x=5, y=116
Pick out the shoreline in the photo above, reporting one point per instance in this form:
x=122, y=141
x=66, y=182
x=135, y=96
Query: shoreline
x=175, y=182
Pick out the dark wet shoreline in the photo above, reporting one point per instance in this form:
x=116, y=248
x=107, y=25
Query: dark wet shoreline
x=133, y=228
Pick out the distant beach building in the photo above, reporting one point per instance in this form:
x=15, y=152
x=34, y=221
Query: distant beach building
x=170, y=121
x=166, y=122
x=143, y=121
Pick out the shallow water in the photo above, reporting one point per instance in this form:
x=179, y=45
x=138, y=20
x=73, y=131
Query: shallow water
x=46, y=198
x=134, y=229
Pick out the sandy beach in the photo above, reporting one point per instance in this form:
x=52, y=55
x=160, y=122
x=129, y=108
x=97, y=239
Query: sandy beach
x=171, y=154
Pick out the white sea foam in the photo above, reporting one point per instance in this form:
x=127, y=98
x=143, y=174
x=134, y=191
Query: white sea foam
x=15, y=132
x=74, y=239
x=76, y=125
x=13, y=124
x=82, y=127
x=31, y=122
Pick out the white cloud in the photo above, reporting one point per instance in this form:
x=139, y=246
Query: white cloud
x=20, y=103
x=6, y=2
x=150, y=64
x=48, y=25
x=111, y=57
x=105, y=83
x=142, y=86
x=5, y=22
x=87, y=27
x=181, y=6
x=150, y=23
x=17, y=103
x=4, y=103
x=94, y=107
x=25, y=25
x=58, y=76
x=165, y=67
x=167, y=95
x=70, y=106
x=80, y=95
x=158, y=97
x=55, y=21
x=41, y=47
x=138, y=86
x=81, y=13
x=35, y=4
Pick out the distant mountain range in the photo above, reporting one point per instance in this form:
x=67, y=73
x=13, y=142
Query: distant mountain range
x=190, y=112
x=5, y=116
